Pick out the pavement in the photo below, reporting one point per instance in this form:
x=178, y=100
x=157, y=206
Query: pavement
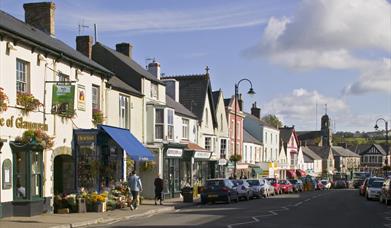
x=148, y=208
x=320, y=209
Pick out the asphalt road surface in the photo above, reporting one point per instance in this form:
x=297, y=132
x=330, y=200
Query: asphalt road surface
x=321, y=209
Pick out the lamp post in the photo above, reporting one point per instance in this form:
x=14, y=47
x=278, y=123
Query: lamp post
x=250, y=92
x=387, y=146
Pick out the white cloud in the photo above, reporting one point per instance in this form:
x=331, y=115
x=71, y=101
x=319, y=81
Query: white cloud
x=332, y=34
x=377, y=78
x=164, y=20
x=299, y=107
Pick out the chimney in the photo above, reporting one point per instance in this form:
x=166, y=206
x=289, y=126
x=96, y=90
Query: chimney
x=172, y=88
x=124, y=48
x=240, y=101
x=154, y=69
x=41, y=16
x=84, y=45
x=255, y=111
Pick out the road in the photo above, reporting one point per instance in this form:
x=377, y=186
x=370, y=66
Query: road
x=322, y=209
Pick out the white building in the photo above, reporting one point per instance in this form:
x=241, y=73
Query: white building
x=32, y=61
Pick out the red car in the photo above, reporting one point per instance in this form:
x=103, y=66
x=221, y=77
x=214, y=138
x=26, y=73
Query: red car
x=286, y=186
x=320, y=186
x=276, y=185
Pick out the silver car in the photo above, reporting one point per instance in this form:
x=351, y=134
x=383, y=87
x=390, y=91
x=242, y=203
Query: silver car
x=267, y=188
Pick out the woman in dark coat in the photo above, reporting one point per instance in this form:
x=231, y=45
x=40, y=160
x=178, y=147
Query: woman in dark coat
x=158, y=189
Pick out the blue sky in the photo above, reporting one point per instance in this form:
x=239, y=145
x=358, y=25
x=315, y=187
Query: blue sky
x=298, y=53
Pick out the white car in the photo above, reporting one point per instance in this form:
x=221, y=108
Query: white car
x=256, y=186
x=243, y=188
x=373, y=190
x=268, y=189
x=326, y=183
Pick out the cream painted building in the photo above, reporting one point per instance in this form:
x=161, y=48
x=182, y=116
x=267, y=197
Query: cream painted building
x=33, y=61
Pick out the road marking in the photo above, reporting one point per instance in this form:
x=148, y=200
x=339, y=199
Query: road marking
x=257, y=220
x=307, y=200
x=387, y=225
x=243, y=223
x=177, y=210
x=298, y=204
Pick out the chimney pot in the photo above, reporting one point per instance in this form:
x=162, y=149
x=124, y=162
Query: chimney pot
x=256, y=111
x=84, y=45
x=41, y=16
x=124, y=48
x=154, y=69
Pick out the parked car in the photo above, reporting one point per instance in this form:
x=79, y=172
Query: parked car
x=275, y=184
x=326, y=184
x=244, y=189
x=338, y=184
x=368, y=181
x=385, y=192
x=319, y=185
x=261, y=187
x=220, y=190
x=286, y=186
x=358, y=178
x=297, y=185
x=374, y=189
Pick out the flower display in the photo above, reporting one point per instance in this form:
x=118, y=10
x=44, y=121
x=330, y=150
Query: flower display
x=38, y=136
x=97, y=116
x=28, y=102
x=235, y=158
x=3, y=100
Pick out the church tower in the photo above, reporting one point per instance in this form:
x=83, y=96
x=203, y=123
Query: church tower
x=325, y=131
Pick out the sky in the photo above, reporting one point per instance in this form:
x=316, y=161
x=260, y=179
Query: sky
x=300, y=55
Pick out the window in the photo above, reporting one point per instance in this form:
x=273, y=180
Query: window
x=63, y=77
x=124, y=111
x=266, y=137
x=223, y=148
x=208, y=143
x=238, y=129
x=154, y=91
x=185, y=129
x=21, y=174
x=251, y=154
x=245, y=154
x=159, y=123
x=36, y=174
x=170, y=124
x=206, y=117
x=22, y=76
x=95, y=97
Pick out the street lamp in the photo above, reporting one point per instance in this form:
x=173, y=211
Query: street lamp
x=387, y=146
x=250, y=92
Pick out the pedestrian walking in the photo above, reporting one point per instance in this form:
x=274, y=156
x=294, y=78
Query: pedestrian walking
x=136, y=187
x=158, y=189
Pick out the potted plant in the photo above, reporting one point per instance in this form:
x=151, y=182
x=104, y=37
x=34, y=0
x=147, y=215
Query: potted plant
x=235, y=158
x=3, y=100
x=148, y=165
x=97, y=116
x=27, y=102
x=36, y=136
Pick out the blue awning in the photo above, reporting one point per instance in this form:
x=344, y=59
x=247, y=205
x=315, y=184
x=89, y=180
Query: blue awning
x=134, y=148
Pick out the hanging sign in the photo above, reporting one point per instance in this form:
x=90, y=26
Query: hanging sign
x=63, y=99
x=201, y=154
x=222, y=161
x=81, y=97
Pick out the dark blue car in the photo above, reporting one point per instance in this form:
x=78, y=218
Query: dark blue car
x=220, y=190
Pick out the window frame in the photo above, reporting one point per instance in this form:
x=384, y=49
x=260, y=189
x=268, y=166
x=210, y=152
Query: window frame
x=26, y=74
x=170, y=124
x=124, y=111
x=185, y=128
x=95, y=99
x=159, y=124
x=208, y=146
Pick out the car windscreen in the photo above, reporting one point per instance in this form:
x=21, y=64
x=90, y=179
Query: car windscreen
x=253, y=182
x=214, y=183
x=282, y=182
x=272, y=181
x=371, y=180
x=293, y=181
x=376, y=184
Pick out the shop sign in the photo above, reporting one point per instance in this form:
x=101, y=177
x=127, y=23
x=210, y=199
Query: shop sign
x=81, y=97
x=22, y=124
x=231, y=165
x=200, y=154
x=63, y=99
x=86, y=139
x=174, y=153
x=222, y=161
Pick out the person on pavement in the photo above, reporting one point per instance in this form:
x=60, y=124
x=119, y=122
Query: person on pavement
x=158, y=189
x=136, y=187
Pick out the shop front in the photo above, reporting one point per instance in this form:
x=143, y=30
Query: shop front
x=176, y=169
x=202, y=168
x=100, y=155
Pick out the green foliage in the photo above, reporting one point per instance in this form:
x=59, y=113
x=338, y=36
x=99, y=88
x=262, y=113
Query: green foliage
x=235, y=158
x=272, y=120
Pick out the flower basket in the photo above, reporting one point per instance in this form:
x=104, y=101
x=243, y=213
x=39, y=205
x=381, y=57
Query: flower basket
x=97, y=117
x=148, y=165
x=28, y=102
x=235, y=158
x=36, y=136
x=3, y=100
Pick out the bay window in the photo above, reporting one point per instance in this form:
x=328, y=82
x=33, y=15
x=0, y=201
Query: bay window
x=159, y=123
x=170, y=124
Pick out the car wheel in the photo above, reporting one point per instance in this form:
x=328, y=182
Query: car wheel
x=228, y=199
x=248, y=197
x=380, y=199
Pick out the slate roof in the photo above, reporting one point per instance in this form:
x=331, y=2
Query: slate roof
x=363, y=148
x=14, y=27
x=123, y=66
x=248, y=138
x=259, y=121
x=120, y=85
x=310, y=153
x=227, y=101
x=286, y=133
x=340, y=151
x=305, y=135
x=307, y=159
x=215, y=96
x=179, y=108
x=192, y=92
x=322, y=152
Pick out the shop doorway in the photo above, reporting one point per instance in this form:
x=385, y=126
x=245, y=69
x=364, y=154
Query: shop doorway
x=64, y=174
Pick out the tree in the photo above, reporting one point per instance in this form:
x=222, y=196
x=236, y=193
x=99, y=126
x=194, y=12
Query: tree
x=272, y=120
